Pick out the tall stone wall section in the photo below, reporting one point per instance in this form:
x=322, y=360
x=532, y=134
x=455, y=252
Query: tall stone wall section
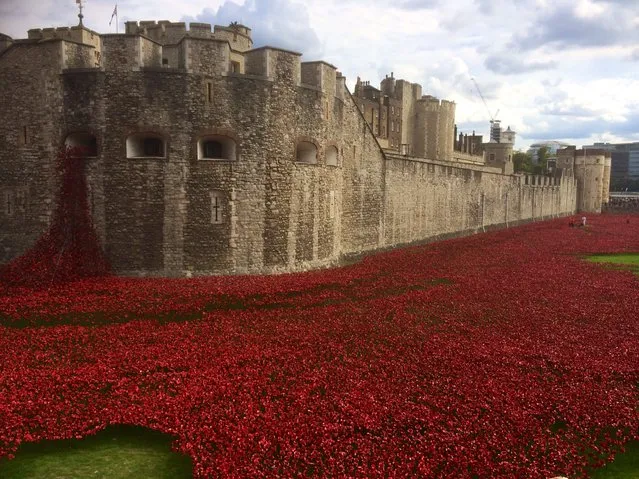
x=429, y=199
x=30, y=111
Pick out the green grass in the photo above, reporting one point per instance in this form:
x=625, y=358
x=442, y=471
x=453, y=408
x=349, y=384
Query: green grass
x=625, y=466
x=118, y=452
x=622, y=260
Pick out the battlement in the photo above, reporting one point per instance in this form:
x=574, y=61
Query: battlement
x=434, y=103
x=76, y=33
x=168, y=33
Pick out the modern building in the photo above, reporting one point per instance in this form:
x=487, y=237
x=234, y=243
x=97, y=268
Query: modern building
x=552, y=147
x=625, y=160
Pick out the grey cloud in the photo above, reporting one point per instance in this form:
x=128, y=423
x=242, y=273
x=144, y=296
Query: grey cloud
x=400, y=4
x=634, y=56
x=487, y=7
x=562, y=28
x=416, y=4
x=555, y=109
x=281, y=23
x=592, y=127
x=509, y=65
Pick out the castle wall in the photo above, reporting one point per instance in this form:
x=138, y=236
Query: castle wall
x=591, y=168
x=30, y=106
x=256, y=208
x=445, y=130
x=430, y=199
x=408, y=93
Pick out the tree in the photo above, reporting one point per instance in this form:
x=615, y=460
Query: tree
x=542, y=158
x=522, y=162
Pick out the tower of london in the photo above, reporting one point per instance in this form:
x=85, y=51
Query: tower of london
x=209, y=155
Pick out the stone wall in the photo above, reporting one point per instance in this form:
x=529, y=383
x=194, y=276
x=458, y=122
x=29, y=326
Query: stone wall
x=30, y=114
x=258, y=210
x=429, y=199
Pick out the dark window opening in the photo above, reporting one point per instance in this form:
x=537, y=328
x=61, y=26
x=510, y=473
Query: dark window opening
x=145, y=146
x=216, y=147
x=153, y=147
x=213, y=149
x=165, y=61
x=235, y=67
x=83, y=144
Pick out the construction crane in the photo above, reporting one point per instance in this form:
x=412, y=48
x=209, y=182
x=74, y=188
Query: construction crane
x=495, y=129
x=492, y=118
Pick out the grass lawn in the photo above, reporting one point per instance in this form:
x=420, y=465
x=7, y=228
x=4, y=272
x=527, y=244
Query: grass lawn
x=625, y=466
x=132, y=453
x=623, y=260
x=118, y=452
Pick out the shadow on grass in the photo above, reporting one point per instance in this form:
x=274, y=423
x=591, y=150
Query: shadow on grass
x=118, y=452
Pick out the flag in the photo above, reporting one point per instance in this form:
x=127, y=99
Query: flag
x=114, y=14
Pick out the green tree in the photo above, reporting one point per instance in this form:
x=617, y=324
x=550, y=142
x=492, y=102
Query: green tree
x=522, y=162
x=542, y=158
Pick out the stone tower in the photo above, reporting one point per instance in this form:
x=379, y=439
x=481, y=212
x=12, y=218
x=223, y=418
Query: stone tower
x=591, y=169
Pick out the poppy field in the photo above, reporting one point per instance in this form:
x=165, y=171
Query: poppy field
x=498, y=355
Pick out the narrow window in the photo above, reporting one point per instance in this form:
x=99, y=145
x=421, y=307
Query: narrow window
x=492, y=157
x=331, y=156
x=8, y=203
x=332, y=205
x=21, y=202
x=25, y=135
x=165, y=62
x=235, y=67
x=217, y=211
x=209, y=92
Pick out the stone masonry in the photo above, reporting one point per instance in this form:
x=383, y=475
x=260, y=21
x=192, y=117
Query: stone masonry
x=209, y=156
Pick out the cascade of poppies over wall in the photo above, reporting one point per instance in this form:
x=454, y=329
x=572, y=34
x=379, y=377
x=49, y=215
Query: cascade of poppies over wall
x=69, y=249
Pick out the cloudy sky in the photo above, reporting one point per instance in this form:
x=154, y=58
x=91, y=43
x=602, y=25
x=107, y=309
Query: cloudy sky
x=551, y=69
